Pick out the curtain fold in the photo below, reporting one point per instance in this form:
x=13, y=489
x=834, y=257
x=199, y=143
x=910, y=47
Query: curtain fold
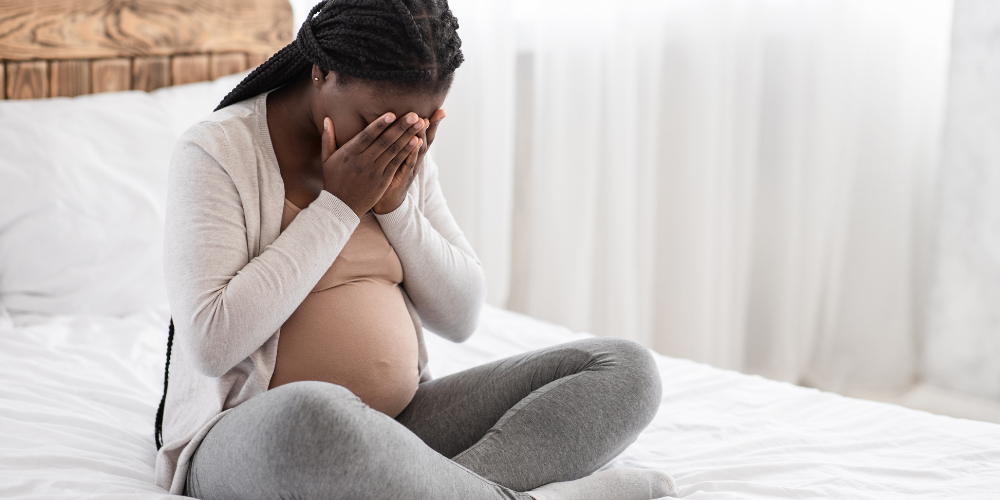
x=963, y=331
x=474, y=148
x=734, y=182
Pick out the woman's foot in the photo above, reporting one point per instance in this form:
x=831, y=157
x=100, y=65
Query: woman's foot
x=622, y=483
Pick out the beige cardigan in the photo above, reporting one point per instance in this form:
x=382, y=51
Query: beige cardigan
x=232, y=280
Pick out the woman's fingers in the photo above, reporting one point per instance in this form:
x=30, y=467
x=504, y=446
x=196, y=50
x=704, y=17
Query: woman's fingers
x=411, y=151
x=433, y=125
x=399, y=162
x=401, y=147
x=393, y=138
x=411, y=161
x=404, y=174
x=328, y=140
x=361, y=142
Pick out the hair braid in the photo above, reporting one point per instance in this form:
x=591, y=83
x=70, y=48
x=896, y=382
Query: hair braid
x=280, y=69
x=413, y=29
x=158, y=432
x=405, y=41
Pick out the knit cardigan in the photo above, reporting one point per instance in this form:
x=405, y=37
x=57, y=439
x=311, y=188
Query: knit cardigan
x=233, y=277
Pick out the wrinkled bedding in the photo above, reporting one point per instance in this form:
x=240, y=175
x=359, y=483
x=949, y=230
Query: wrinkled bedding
x=78, y=394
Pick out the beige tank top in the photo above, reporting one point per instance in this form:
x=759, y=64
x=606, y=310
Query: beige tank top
x=353, y=329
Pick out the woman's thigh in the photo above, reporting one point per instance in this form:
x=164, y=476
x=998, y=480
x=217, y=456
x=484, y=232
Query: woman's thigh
x=555, y=414
x=309, y=440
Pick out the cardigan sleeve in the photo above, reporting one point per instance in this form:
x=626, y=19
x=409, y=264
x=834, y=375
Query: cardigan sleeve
x=441, y=273
x=225, y=305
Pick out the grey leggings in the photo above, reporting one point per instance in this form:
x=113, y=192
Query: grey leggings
x=490, y=432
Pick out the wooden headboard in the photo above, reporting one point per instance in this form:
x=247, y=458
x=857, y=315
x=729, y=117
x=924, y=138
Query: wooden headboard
x=52, y=48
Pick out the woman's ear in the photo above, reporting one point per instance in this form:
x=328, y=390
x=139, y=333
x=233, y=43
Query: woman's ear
x=319, y=75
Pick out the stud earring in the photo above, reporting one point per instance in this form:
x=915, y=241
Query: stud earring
x=316, y=78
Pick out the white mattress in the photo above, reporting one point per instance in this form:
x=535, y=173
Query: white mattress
x=78, y=395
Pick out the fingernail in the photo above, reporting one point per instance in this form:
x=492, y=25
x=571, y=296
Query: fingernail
x=419, y=125
x=325, y=125
x=413, y=141
x=411, y=119
x=389, y=118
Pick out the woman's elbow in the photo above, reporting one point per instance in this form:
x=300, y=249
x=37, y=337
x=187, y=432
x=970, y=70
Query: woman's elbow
x=201, y=352
x=457, y=328
x=461, y=322
x=464, y=330
x=209, y=365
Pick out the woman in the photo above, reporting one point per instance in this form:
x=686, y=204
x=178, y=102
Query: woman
x=307, y=241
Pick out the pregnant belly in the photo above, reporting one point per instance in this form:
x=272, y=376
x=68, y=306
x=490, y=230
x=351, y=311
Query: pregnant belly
x=358, y=335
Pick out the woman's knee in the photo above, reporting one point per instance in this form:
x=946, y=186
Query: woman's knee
x=308, y=396
x=278, y=442
x=635, y=373
x=304, y=415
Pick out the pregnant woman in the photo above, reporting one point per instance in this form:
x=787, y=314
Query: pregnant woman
x=308, y=244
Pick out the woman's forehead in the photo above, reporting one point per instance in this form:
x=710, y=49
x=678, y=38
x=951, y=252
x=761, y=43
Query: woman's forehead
x=423, y=103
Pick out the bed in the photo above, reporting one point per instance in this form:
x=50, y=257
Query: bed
x=83, y=315
x=79, y=393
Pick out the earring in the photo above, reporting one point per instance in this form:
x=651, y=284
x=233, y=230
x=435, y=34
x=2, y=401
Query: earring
x=316, y=78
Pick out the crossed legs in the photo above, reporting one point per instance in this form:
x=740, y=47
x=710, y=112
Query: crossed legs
x=491, y=432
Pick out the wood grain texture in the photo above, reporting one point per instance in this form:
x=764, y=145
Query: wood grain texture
x=189, y=69
x=27, y=80
x=228, y=63
x=255, y=59
x=93, y=29
x=111, y=75
x=150, y=73
x=69, y=78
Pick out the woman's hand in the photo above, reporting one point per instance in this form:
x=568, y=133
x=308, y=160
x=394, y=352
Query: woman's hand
x=360, y=171
x=400, y=184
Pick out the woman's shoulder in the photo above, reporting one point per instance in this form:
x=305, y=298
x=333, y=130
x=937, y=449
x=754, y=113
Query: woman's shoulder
x=236, y=119
x=227, y=135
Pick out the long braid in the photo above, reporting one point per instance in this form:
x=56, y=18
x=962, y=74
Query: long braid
x=158, y=433
x=378, y=40
x=280, y=69
x=369, y=39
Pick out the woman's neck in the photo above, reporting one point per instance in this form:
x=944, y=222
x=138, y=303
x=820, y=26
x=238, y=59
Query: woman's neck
x=296, y=141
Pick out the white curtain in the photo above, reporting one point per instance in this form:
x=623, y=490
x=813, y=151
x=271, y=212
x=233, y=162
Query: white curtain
x=963, y=338
x=740, y=182
x=474, y=148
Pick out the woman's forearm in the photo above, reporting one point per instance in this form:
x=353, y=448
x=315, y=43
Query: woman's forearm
x=441, y=273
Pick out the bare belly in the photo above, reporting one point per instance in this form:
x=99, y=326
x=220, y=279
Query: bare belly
x=358, y=335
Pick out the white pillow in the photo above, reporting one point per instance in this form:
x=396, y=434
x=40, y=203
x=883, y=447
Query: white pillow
x=82, y=191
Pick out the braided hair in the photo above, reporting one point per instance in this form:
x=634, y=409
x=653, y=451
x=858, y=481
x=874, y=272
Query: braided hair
x=408, y=42
x=404, y=43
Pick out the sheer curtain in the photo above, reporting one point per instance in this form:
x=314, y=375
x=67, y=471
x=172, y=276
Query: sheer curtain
x=743, y=183
x=963, y=337
x=740, y=183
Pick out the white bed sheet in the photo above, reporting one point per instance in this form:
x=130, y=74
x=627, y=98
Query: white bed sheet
x=78, y=395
